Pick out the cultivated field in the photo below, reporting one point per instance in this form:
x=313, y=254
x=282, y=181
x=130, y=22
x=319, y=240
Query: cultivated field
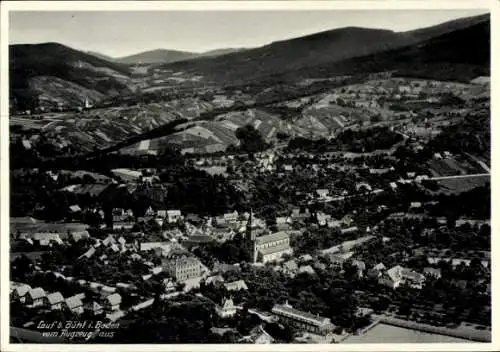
x=453, y=166
x=383, y=333
x=463, y=184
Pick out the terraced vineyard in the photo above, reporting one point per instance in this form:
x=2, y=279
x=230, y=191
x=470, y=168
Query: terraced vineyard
x=27, y=123
x=104, y=127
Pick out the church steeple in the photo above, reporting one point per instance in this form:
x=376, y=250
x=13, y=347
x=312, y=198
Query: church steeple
x=250, y=233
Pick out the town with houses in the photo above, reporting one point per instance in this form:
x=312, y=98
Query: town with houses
x=359, y=212
x=125, y=262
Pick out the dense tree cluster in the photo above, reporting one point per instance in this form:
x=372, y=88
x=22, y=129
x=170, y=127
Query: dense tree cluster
x=233, y=251
x=186, y=188
x=251, y=140
x=359, y=141
x=472, y=135
x=197, y=192
x=317, y=239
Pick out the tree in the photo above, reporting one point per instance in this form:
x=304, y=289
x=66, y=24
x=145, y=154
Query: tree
x=20, y=267
x=282, y=136
x=376, y=118
x=250, y=139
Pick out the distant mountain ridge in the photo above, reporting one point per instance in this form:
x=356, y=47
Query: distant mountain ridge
x=461, y=54
x=325, y=49
x=164, y=56
x=219, y=52
x=155, y=57
x=101, y=56
x=57, y=74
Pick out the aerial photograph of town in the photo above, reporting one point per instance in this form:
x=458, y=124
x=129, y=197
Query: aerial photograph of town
x=249, y=177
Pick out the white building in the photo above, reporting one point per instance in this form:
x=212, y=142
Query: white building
x=227, y=309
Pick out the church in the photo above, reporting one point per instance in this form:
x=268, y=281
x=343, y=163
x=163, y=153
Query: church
x=267, y=247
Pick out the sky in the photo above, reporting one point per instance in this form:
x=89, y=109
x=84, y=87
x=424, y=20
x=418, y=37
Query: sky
x=123, y=33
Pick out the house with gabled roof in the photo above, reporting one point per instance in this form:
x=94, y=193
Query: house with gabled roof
x=108, y=241
x=194, y=219
x=332, y=223
x=174, y=216
x=282, y=220
x=413, y=278
x=46, y=238
x=75, y=209
x=297, y=215
x=214, y=279
x=19, y=292
x=162, y=213
x=336, y=260
x=392, y=277
x=112, y=302
x=322, y=193
x=306, y=257
x=224, y=268
x=80, y=235
x=236, y=285
x=222, y=234
x=231, y=217
x=377, y=270
x=398, y=275
x=307, y=269
x=35, y=297
x=258, y=336
x=283, y=223
x=93, y=308
x=74, y=304
x=54, y=300
x=219, y=222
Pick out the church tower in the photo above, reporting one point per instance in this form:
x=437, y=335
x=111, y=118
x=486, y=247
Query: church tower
x=251, y=235
x=250, y=230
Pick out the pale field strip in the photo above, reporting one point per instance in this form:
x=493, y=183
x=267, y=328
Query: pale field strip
x=144, y=145
x=341, y=124
x=103, y=136
x=202, y=132
x=230, y=125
